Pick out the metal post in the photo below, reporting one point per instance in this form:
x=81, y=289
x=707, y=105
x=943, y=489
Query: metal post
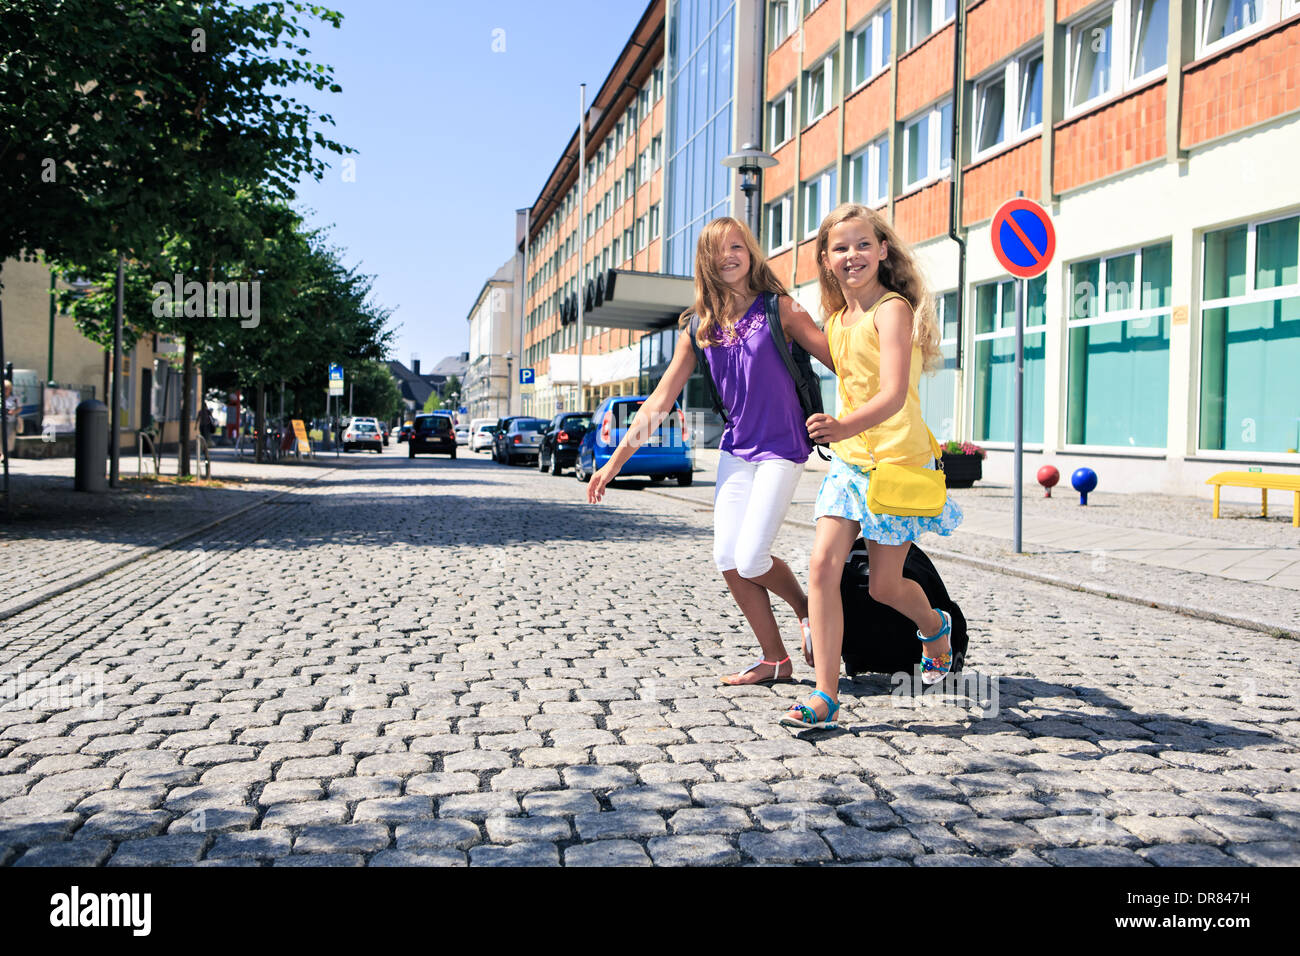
x=582, y=225
x=351, y=385
x=4, y=409
x=116, y=399
x=1018, y=467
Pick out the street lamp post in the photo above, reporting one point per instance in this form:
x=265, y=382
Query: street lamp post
x=750, y=163
x=510, y=357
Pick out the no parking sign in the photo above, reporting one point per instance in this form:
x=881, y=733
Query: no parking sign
x=1024, y=242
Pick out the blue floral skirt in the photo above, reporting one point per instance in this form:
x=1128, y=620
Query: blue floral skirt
x=843, y=494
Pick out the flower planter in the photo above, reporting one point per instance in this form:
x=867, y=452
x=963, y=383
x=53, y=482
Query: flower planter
x=962, y=471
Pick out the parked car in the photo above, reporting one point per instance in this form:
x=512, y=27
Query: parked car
x=404, y=433
x=665, y=455
x=363, y=434
x=481, y=437
x=522, y=438
x=499, y=438
x=462, y=434
x=432, y=433
x=560, y=441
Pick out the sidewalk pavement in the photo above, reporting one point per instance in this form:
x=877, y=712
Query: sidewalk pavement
x=57, y=538
x=1160, y=550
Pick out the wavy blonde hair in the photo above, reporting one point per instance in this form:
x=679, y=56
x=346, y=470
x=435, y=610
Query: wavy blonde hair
x=899, y=272
x=716, y=303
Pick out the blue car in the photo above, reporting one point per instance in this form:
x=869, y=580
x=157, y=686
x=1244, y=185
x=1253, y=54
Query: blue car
x=665, y=455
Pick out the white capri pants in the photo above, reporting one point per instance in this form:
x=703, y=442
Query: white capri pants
x=750, y=501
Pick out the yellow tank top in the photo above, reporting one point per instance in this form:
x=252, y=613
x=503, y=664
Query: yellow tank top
x=902, y=439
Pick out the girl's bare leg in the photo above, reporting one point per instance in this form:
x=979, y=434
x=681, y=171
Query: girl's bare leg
x=831, y=547
x=888, y=586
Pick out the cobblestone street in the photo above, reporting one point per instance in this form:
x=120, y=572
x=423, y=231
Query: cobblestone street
x=448, y=662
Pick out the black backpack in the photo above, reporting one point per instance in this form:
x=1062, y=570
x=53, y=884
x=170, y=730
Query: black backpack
x=878, y=639
x=807, y=384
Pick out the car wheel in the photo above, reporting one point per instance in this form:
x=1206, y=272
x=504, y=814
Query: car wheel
x=556, y=470
x=684, y=479
x=453, y=454
x=656, y=479
x=541, y=461
x=579, y=473
x=410, y=452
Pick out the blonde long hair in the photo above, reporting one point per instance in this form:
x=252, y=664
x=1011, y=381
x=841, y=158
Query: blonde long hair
x=898, y=272
x=716, y=303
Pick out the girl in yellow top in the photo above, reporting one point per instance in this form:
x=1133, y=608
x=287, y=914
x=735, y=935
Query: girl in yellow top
x=882, y=330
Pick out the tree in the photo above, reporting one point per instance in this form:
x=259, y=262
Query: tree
x=374, y=392
x=433, y=402
x=453, y=387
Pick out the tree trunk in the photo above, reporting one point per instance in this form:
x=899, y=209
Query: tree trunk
x=260, y=421
x=187, y=406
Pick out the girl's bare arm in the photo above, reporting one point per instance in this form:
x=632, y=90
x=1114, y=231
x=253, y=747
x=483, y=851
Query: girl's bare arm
x=799, y=325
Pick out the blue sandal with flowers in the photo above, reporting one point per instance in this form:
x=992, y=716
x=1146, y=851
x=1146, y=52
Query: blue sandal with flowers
x=934, y=669
x=808, y=720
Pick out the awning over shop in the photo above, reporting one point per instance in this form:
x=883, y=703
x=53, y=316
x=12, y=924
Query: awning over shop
x=616, y=366
x=619, y=299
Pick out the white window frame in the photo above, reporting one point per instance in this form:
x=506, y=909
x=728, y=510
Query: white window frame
x=871, y=154
x=827, y=199
x=786, y=99
x=655, y=223
x=811, y=5
x=939, y=18
x=879, y=24
x=1002, y=331
x=641, y=232
x=935, y=168
x=1123, y=26
x=777, y=22
x=825, y=66
x=786, y=206
x=656, y=152
x=1252, y=295
x=1270, y=13
x=1104, y=316
x=1012, y=74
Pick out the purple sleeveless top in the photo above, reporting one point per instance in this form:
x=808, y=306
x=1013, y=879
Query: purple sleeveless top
x=765, y=420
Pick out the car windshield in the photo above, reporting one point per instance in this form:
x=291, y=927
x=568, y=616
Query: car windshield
x=577, y=421
x=528, y=425
x=363, y=427
x=433, y=423
x=487, y=428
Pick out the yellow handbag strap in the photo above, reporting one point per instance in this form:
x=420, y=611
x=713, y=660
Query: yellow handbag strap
x=838, y=318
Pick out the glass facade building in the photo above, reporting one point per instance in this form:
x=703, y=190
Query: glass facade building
x=701, y=61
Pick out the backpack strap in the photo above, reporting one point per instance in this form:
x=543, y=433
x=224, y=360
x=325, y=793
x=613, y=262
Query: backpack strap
x=772, y=306
x=702, y=363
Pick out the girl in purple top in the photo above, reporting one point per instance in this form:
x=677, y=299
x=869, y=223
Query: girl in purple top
x=765, y=443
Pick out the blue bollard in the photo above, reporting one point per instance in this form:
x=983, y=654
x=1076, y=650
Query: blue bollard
x=1084, y=481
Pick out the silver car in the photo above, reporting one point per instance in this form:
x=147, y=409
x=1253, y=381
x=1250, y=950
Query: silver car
x=523, y=439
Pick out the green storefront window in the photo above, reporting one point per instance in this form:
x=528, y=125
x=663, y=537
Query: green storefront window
x=1084, y=279
x=986, y=308
x=1277, y=253
x=1157, y=276
x=938, y=393
x=1036, y=302
x=1250, y=393
x=1119, y=383
x=1225, y=263
x=1119, y=282
x=995, y=388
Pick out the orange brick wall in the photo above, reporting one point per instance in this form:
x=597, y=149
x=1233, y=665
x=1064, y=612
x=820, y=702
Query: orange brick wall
x=780, y=178
x=925, y=73
x=807, y=268
x=1249, y=84
x=866, y=113
x=821, y=30
x=818, y=149
x=858, y=10
x=997, y=28
x=989, y=183
x=782, y=67
x=781, y=265
x=923, y=214
x=1121, y=135
x=1066, y=9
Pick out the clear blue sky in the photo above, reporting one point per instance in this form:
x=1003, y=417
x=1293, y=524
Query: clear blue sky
x=452, y=138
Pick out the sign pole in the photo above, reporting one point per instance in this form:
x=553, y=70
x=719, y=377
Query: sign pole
x=1018, y=466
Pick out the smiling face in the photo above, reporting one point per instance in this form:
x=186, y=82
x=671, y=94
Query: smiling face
x=733, y=261
x=853, y=254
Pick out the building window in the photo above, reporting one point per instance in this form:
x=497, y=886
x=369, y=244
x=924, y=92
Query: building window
x=871, y=47
x=924, y=17
x=627, y=243
x=927, y=145
x=618, y=135
x=993, y=416
x=618, y=195
x=778, y=120
x=1127, y=43
x=1118, y=327
x=640, y=233
x=1009, y=103
x=939, y=390
x=656, y=152
x=869, y=174
x=818, y=90
x=643, y=166
x=1250, y=337
x=654, y=221
x=818, y=199
x=658, y=82
x=778, y=22
x=777, y=223
x=810, y=5
x=643, y=102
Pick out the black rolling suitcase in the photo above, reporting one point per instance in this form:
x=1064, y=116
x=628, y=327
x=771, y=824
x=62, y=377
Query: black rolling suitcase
x=878, y=639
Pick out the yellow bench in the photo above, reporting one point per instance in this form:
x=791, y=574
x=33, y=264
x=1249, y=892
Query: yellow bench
x=1265, y=482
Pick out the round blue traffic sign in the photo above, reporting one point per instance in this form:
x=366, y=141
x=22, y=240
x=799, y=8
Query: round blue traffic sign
x=1023, y=238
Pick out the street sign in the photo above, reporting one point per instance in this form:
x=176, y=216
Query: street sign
x=1023, y=238
x=336, y=379
x=525, y=376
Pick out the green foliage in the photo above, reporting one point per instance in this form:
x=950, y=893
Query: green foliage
x=374, y=392
x=432, y=403
x=453, y=387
